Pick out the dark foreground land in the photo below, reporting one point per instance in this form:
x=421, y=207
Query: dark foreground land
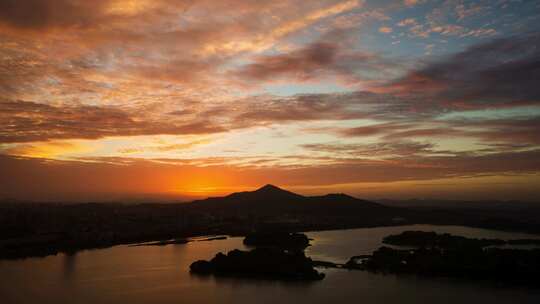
x=288, y=241
x=278, y=256
x=29, y=230
x=454, y=256
x=265, y=263
x=449, y=241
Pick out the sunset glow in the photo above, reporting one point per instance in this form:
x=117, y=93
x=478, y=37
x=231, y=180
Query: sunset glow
x=115, y=99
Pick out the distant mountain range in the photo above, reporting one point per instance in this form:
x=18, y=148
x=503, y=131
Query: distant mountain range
x=272, y=200
x=39, y=229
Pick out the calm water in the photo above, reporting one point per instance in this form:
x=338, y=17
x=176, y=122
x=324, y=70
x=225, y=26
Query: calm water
x=155, y=274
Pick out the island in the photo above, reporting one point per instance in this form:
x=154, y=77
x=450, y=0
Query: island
x=439, y=240
x=446, y=240
x=267, y=263
x=453, y=256
x=277, y=255
x=284, y=240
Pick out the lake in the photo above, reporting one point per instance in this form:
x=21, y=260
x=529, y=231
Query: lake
x=160, y=274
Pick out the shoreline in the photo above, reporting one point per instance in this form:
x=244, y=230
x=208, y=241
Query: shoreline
x=43, y=251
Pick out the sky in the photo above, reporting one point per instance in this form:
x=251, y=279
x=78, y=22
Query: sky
x=125, y=99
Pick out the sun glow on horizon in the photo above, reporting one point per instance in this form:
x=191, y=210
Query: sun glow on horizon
x=210, y=97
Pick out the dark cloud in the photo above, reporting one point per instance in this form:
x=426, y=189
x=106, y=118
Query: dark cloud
x=495, y=73
x=301, y=64
x=415, y=167
x=519, y=132
x=329, y=56
x=498, y=74
x=263, y=110
x=370, y=130
x=30, y=121
x=412, y=132
x=296, y=108
x=35, y=14
x=24, y=121
x=380, y=149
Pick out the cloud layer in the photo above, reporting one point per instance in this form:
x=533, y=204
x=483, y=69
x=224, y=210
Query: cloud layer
x=315, y=93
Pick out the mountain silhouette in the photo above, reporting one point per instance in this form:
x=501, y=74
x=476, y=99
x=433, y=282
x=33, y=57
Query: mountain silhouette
x=272, y=200
x=265, y=193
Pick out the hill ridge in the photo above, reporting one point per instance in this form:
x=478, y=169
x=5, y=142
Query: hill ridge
x=270, y=199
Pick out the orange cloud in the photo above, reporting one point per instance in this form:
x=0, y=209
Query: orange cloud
x=385, y=29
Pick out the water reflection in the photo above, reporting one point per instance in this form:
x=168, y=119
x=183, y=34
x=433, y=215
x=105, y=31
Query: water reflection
x=259, y=282
x=69, y=261
x=160, y=274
